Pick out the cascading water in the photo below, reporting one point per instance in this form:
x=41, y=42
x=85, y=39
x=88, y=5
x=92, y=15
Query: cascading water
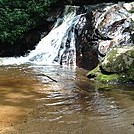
x=58, y=45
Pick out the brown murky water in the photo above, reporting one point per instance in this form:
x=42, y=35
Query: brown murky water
x=61, y=100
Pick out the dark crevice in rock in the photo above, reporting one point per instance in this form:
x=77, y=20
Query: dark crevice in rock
x=105, y=72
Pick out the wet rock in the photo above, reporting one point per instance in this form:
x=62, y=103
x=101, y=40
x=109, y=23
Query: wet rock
x=115, y=23
x=117, y=66
x=86, y=54
x=130, y=9
x=101, y=28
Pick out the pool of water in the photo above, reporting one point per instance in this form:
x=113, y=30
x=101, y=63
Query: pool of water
x=62, y=100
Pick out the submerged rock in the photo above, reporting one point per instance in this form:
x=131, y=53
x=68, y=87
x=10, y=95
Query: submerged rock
x=117, y=66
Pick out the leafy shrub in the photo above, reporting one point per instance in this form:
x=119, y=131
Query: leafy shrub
x=20, y=15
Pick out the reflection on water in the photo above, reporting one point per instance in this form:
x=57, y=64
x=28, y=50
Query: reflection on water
x=61, y=100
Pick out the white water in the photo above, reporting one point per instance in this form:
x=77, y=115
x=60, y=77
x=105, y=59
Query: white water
x=49, y=50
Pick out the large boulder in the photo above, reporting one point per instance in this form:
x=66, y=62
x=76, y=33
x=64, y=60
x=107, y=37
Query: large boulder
x=118, y=60
x=117, y=66
x=101, y=28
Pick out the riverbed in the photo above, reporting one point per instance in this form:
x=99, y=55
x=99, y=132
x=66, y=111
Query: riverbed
x=39, y=99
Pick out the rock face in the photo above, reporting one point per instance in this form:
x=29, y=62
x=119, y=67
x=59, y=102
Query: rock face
x=114, y=24
x=86, y=42
x=117, y=66
x=101, y=28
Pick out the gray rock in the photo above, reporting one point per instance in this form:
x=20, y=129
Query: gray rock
x=118, y=60
x=117, y=66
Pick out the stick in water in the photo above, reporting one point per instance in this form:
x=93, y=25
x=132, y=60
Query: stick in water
x=47, y=77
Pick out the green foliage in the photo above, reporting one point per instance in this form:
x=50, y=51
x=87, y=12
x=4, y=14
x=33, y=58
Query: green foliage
x=20, y=15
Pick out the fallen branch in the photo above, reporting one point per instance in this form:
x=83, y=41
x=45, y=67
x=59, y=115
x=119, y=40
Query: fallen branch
x=48, y=77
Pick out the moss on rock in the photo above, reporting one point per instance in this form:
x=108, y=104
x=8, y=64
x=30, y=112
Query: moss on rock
x=117, y=66
x=118, y=60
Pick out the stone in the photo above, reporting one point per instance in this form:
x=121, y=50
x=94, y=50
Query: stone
x=101, y=28
x=114, y=24
x=118, y=60
x=117, y=66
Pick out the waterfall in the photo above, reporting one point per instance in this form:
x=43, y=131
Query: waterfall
x=57, y=46
x=80, y=36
